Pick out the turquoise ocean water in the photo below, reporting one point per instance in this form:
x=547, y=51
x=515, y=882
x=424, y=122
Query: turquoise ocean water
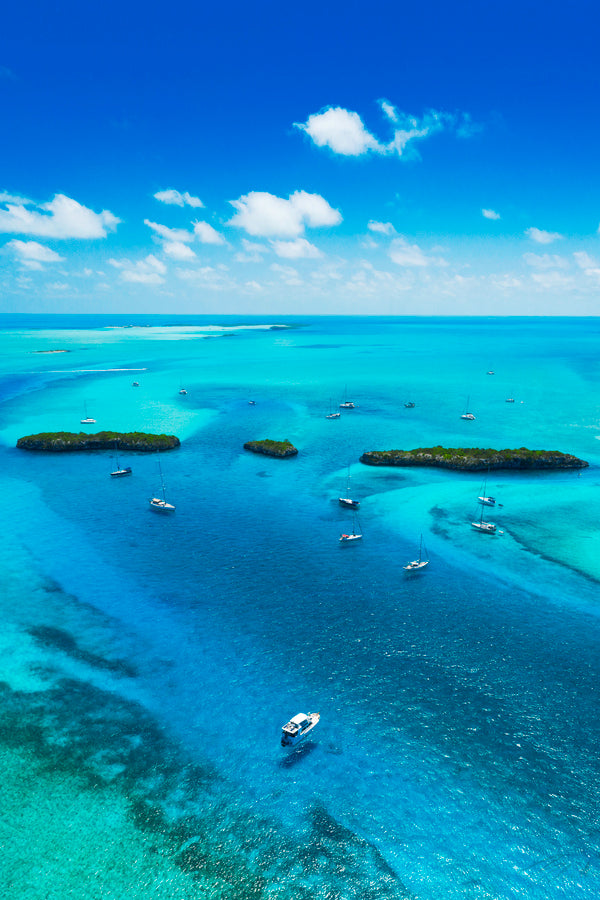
x=148, y=662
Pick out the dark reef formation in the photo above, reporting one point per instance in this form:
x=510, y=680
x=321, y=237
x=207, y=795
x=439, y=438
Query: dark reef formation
x=474, y=458
x=271, y=448
x=66, y=441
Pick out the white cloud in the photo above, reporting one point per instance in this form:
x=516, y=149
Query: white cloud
x=289, y=275
x=265, y=215
x=551, y=280
x=179, y=235
x=298, y=249
x=389, y=110
x=490, y=214
x=340, y=130
x=343, y=131
x=588, y=264
x=545, y=261
x=206, y=234
x=542, y=237
x=381, y=227
x=174, y=198
x=405, y=254
x=145, y=271
x=61, y=218
x=32, y=254
x=13, y=198
x=178, y=250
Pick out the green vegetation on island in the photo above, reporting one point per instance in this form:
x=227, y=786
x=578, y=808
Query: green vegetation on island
x=271, y=448
x=66, y=441
x=474, y=458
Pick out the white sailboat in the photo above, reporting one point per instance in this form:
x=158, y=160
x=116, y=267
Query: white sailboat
x=347, y=404
x=467, y=415
x=354, y=534
x=331, y=414
x=485, y=499
x=88, y=419
x=160, y=504
x=347, y=501
x=483, y=526
x=419, y=563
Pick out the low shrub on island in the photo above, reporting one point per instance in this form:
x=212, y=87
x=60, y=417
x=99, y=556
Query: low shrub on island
x=271, y=448
x=474, y=458
x=66, y=441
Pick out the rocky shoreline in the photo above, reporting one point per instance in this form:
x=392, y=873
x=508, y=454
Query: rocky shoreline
x=474, y=459
x=280, y=449
x=68, y=442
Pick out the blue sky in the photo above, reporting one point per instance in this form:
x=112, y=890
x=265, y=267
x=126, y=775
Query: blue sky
x=357, y=157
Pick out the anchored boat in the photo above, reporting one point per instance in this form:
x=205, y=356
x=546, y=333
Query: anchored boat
x=297, y=728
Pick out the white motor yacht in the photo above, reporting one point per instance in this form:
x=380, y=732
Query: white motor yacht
x=297, y=728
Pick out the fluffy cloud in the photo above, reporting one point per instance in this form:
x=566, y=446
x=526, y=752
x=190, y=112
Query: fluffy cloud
x=340, y=130
x=545, y=261
x=206, y=234
x=490, y=214
x=180, y=235
x=344, y=132
x=61, y=218
x=289, y=275
x=265, y=215
x=543, y=237
x=298, y=249
x=405, y=254
x=178, y=250
x=174, y=198
x=145, y=271
x=32, y=254
x=589, y=265
x=381, y=227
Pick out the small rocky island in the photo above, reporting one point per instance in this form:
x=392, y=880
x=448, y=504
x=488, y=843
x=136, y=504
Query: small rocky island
x=473, y=459
x=67, y=441
x=272, y=448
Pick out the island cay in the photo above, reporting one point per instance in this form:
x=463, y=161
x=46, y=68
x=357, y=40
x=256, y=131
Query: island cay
x=271, y=448
x=473, y=459
x=66, y=441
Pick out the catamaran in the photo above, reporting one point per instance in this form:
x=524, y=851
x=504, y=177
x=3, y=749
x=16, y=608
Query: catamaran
x=467, y=415
x=88, y=419
x=120, y=471
x=160, y=504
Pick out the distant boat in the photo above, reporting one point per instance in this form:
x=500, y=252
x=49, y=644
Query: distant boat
x=491, y=373
x=135, y=384
x=158, y=504
x=486, y=500
x=120, y=471
x=484, y=527
x=331, y=414
x=409, y=405
x=510, y=400
x=467, y=415
x=353, y=536
x=419, y=563
x=346, y=501
x=88, y=419
x=182, y=391
x=347, y=404
x=297, y=728
x=251, y=402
